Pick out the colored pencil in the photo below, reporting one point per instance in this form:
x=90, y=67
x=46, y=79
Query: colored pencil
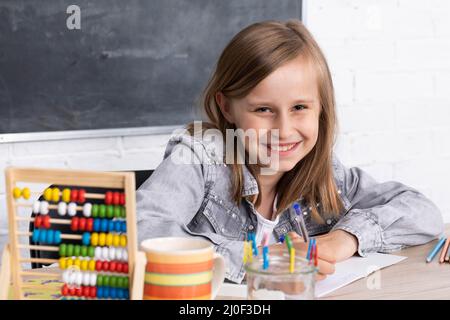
x=291, y=260
x=436, y=249
x=265, y=243
x=444, y=250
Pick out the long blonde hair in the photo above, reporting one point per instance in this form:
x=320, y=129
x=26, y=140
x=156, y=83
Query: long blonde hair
x=249, y=57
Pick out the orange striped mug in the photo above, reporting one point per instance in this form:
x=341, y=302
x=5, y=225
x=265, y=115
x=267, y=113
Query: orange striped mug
x=182, y=268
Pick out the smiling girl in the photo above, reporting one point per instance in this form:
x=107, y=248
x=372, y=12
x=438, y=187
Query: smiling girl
x=273, y=79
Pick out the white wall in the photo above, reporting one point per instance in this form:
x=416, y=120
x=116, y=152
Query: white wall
x=391, y=67
x=390, y=61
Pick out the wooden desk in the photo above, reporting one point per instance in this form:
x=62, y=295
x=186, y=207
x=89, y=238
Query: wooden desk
x=412, y=278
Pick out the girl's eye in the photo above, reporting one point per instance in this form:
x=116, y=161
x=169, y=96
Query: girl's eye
x=299, y=107
x=262, y=109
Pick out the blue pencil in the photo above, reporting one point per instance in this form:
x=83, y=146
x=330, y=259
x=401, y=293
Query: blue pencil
x=436, y=249
x=309, y=248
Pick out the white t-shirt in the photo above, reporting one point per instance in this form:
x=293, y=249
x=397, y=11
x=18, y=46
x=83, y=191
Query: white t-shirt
x=266, y=225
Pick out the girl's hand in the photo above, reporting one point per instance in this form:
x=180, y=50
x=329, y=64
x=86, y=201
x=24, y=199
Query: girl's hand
x=335, y=246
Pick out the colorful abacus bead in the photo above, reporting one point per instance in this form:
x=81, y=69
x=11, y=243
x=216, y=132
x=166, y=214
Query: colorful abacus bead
x=41, y=222
x=73, y=195
x=87, y=209
x=25, y=193
x=17, y=193
x=95, y=210
x=102, y=211
x=109, y=239
x=63, y=250
x=62, y=209
x=104, y=225
x=38, y=221
x=86, y=238
x=48, y=194
x=55, y=194
x=72, y=209
x=110, y=211
x=122, y=199
x=46, y=236
x=89, y=224
x=36, y=207
x=74, y=224
x=116, y=198
x=81, y=196
x=43, y=207
x=66, y=195
x=96, y=225
x=82, y=224
x=117, y=211
x=108, y=197
x=46, y=222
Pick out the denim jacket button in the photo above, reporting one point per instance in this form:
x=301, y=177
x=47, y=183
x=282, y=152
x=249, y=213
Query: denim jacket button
x=223, y=230
x=250, y=227
x=339, y=191
x=233, y=215
x=329, y=221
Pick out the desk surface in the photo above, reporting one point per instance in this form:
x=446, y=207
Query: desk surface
x=411, y=278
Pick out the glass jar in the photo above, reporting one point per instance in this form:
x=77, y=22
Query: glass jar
x=277, y=282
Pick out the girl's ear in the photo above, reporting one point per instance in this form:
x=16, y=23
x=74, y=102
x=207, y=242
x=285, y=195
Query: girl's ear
x=224, y=106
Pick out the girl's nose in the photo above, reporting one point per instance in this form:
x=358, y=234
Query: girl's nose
x=285, y=126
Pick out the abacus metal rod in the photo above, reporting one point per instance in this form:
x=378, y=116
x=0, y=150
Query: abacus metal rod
x=35, y=286
x=40, y=274
x=52, y=220
x=39, y=260
x=36, y=247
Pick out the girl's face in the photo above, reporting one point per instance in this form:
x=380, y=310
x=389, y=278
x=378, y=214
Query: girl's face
x=286, y=100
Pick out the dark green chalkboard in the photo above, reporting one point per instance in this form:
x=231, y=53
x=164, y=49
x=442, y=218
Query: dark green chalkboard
x=134, y=63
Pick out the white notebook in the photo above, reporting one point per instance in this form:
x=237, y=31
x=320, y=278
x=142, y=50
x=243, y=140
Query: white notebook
x=346, y=272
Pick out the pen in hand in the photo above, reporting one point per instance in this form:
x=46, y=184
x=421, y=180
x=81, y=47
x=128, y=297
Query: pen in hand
x=301, y=222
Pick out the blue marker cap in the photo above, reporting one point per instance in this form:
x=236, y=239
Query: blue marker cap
x=297, y=209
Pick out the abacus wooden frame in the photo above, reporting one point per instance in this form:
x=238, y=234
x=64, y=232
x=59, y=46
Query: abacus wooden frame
x=73, y=178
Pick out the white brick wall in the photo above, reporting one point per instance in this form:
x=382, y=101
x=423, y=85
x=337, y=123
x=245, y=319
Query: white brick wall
x=390, y=62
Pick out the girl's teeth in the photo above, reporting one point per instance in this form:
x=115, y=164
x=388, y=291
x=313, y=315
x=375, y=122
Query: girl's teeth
x=282, y=148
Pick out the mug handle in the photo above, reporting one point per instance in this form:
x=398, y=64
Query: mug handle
x=218, y=274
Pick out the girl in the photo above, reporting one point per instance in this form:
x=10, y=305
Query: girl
x=272, y=79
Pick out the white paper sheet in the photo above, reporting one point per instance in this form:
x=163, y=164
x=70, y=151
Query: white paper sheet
x=353, y=269
x=346, y=272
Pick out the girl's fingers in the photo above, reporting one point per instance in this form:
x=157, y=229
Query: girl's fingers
x=325, y=267
x=294, y=235
x=320, y=276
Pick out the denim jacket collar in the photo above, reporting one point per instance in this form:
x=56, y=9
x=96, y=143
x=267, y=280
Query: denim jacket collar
x=250, y=184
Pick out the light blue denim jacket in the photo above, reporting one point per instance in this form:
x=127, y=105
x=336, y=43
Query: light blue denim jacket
x=194, y=199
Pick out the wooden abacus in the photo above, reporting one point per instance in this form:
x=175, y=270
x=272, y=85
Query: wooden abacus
x=108, y=249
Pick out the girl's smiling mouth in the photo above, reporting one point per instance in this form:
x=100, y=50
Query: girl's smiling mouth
x=283, y=149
